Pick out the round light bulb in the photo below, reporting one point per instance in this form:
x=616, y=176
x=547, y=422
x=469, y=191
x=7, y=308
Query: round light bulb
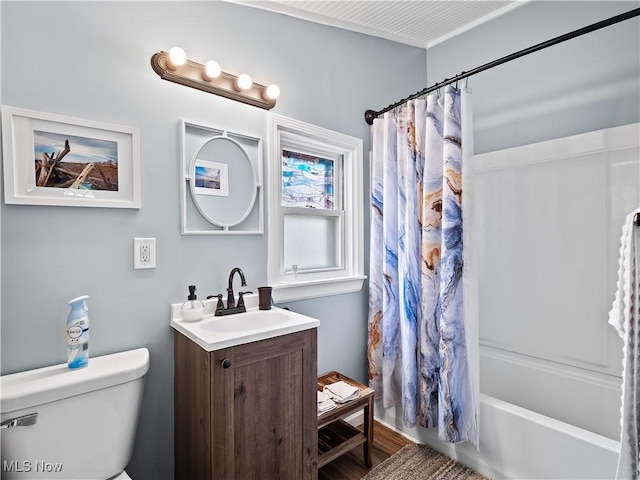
x=212, y=70
x=244, y=82
x=273, y=91
x=177, y=56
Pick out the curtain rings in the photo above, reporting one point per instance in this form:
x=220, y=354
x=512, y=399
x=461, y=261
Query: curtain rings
x=461, y=76
x=398, y=110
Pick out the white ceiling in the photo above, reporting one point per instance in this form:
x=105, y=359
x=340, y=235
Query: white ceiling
x=421, y=23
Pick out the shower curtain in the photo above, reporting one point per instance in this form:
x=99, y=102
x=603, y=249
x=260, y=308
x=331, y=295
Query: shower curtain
x=422, y=345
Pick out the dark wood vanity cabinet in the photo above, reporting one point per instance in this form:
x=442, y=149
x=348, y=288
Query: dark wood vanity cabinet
x=246, y=412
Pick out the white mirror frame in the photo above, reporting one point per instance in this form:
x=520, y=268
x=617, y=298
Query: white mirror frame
x=194, y=194
x=195, y=221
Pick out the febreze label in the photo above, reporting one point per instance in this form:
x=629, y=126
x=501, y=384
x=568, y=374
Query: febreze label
x=76, y=331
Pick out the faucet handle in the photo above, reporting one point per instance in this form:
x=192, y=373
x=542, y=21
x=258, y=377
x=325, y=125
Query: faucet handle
x=220, y=304
x=240, y=300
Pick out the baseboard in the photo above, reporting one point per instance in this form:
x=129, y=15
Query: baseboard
x=355, y=419
x=398, y=431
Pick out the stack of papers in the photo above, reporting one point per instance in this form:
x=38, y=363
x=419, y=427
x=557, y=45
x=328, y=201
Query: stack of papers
x=325, y=403
x=342, y=392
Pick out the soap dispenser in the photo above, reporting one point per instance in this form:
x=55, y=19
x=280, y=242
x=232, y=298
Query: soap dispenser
x=193, y=309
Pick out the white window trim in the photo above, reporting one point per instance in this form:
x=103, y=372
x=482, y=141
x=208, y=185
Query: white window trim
x=350, y=277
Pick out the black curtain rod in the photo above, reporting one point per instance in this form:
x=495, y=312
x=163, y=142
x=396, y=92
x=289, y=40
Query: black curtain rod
x=369, y=115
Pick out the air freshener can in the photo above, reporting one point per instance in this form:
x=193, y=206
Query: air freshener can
x=78, y=333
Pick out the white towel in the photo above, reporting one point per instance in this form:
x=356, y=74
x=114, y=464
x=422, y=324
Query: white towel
x=341, y=391
x=625, y=317
x=325, y=403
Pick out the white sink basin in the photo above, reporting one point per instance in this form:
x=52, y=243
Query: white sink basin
x=214, y=333
x=247, y=322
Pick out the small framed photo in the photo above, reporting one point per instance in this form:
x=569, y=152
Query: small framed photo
x=211, y=178
x=57, y=160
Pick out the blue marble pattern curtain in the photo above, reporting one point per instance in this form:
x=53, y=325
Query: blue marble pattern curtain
x=417, y=341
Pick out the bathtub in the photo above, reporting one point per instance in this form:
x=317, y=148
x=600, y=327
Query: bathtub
x=516, y=443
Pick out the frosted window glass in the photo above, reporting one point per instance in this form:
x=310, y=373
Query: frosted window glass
x=310, y=242
x=307, y=181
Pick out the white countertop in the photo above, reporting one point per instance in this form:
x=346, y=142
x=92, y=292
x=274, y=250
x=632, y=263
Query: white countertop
x=215, y=333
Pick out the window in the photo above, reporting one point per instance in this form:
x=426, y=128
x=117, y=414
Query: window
x=315, y=236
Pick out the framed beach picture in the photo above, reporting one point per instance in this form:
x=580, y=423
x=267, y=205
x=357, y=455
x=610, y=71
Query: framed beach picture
x=211, y=178
x=57, y=160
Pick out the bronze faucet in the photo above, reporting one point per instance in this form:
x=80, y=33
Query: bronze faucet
x=231, y=300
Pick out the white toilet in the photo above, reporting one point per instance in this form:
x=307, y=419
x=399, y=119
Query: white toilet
x=67, y=424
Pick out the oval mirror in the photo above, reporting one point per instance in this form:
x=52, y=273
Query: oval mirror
x=223, y=181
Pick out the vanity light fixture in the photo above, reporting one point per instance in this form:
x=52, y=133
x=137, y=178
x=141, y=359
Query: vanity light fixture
x=244, y=82
x=211, y=70
x=176, y=67
x=272, y=92
x=177, y=58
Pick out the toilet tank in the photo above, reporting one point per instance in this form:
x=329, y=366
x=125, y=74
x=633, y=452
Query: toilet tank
x=86, y=419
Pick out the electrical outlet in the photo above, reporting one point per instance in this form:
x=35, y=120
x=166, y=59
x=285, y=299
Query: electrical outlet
x=144, y=253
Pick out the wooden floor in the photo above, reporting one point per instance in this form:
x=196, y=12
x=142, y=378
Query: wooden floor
x=350, y=466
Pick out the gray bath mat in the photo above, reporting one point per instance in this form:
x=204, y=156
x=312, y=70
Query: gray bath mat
x=420, y=462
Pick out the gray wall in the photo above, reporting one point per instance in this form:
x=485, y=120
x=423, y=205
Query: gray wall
x=587, y=83
x=91, y=60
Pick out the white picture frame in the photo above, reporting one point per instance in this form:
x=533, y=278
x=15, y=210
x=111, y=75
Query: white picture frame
x=104, y=159
x=211, y=178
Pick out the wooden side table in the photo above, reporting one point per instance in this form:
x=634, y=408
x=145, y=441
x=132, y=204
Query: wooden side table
x=336, y=436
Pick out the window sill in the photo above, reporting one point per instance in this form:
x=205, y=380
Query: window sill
x=303, y=289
